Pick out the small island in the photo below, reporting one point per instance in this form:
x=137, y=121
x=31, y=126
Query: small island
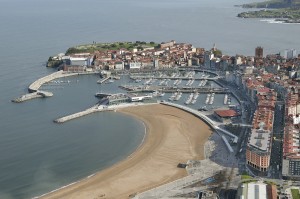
x=287, y=11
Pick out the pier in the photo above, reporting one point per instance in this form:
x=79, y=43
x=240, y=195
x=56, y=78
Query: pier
x=88, y=111
x=172, y=89
x=95, y=109
x=101, y=81
x=173, y=78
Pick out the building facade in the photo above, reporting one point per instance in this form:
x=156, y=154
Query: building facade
x=258, y=152
x=259, y=52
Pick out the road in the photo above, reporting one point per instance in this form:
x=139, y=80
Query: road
x=276, y=155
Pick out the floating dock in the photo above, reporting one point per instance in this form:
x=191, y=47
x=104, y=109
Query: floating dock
x=101, y=81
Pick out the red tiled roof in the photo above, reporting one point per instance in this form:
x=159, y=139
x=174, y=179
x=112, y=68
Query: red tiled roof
x=226, y=113
x=263, y=90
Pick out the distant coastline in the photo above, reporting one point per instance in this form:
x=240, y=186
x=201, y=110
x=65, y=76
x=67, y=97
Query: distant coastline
x=286, y=11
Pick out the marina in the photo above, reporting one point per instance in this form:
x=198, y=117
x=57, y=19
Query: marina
x=158, y=94
x=160, y=85
x=195, y=97
x=212, y=98
x=227, y=99
x=101, y=81
x=207, y=98
x=182, y=87
x=203, y=82
x=189, y=100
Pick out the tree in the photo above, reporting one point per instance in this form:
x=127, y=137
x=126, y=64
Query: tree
x=71, y=50
x=217, y=52
x=140, y=48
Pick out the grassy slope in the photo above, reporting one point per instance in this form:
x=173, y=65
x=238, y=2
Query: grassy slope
x=295, y=193
x=274, y=4
x=284, y=9
x=109, y=46
x=286, y=13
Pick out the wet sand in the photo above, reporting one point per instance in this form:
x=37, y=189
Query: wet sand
x=173, y=136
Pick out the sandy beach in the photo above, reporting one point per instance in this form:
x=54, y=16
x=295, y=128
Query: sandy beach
x=173, y=136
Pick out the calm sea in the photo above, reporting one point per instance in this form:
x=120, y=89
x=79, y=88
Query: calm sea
x=36, y=155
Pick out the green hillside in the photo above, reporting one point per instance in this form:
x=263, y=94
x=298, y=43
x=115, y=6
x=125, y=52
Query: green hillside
x=274, y=4
x=90, y=48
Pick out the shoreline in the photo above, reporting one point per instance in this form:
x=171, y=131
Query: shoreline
x=93, y=174
x=136, y=165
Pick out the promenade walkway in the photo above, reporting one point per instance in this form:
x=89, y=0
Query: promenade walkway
x=209, y=121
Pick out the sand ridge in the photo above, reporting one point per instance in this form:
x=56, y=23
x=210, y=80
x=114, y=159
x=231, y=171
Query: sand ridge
x=173, y=136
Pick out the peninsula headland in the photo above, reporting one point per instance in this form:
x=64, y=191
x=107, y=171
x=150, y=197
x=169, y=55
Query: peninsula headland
x=287, y=11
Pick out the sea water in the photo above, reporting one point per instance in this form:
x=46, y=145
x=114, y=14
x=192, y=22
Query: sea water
x=37, y=155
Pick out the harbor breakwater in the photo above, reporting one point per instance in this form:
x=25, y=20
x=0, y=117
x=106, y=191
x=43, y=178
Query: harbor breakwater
x=33, y=88
x=38, y=83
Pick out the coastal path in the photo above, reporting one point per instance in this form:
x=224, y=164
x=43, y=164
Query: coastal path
x=206, y=119
x=209, y=121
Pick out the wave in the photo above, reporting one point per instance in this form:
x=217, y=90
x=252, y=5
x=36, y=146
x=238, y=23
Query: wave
x=275, y=21
x=272, y=21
